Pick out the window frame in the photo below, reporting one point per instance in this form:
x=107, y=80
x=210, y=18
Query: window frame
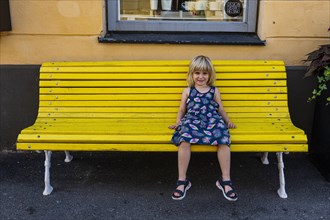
x=115, y=24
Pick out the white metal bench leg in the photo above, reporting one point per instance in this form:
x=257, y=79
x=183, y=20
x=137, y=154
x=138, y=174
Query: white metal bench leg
x=48, y=187
x=281, y=191
x=264, y=158
x=68, y=156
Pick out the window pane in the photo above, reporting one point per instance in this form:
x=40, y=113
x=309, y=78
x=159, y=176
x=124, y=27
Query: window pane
x=180, y=10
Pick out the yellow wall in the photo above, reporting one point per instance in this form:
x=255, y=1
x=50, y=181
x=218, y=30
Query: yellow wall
x=63, y=30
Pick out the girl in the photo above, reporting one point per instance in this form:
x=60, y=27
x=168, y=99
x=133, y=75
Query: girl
x=202, y=119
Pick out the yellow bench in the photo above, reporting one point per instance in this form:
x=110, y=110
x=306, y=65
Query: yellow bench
x=128, y=106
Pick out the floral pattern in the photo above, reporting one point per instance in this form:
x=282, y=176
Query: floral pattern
x=202, y=124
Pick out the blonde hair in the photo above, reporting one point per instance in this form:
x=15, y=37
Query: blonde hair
x=201, y=64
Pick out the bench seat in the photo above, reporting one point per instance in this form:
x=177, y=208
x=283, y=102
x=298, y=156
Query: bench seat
x=128, y=106
x=154, y=136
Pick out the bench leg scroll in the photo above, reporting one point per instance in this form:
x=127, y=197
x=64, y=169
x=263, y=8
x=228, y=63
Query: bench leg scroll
x=48, y=187
x=281, y=191
x=68, y=156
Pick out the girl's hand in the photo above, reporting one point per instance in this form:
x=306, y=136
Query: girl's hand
x=231, y=124
x=174, y=126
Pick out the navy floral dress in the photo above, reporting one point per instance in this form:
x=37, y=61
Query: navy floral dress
x=202, y=124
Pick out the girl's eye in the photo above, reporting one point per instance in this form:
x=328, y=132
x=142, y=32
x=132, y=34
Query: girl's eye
x=201, y=73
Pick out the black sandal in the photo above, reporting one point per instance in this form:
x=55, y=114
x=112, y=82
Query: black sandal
x=221, y=185
x=182, y=194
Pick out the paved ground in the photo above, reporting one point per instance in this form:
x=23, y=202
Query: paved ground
x=138, y=186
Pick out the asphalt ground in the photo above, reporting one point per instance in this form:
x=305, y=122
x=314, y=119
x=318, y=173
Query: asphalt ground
x=128, y=185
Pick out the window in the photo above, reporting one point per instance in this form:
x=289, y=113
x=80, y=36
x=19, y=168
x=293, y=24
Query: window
x=178, y=15
x=183, y=18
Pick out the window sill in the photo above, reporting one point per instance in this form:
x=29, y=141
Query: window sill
x=182, y=38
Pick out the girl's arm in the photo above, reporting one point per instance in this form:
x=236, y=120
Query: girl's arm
x=221, y=110
x=182, y=109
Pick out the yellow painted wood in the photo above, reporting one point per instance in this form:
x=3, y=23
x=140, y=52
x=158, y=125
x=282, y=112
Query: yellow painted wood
x=123, y=128
x=166, y=63
x=113, y=97
x=158, y=69
x=142, y=120
x=70, y=90
x=239, y=90
x=153, y=83
x=160, y=147
x=81, y=138
x=124, y=76
x=152, y=109
x=116, y=69
x=100, y=130
x=110, y=109
x=113, y=126
x=157, y=103
x=111, y=103
x=107, y=115
x=155, y=123
x=157, y=115
x=150, y=97
x=128, y=105
x=105, y=120
x=154, y=76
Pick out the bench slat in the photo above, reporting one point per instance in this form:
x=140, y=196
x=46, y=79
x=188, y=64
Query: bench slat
x=239, y=90
x=99, y=130
x=152, y=109
x=141, y=120
x=164, y=83
x=98, y=125
x=158, y=69
x=132, y=122
x=154, y=76
x=158, y=115
x=155, y=103
x=154, y=131
x=160, y=147
x=151, y=97
x=73, y=138
x=166, y=63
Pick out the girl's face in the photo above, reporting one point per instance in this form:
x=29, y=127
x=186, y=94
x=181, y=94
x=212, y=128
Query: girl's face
x=201, y=78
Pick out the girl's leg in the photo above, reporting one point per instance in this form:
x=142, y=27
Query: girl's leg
x=183, y=162
x=224, y=161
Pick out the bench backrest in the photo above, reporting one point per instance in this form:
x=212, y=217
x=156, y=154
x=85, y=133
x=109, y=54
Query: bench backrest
x=250, y=90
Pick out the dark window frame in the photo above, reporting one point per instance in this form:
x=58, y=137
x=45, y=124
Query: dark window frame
x=124, y=31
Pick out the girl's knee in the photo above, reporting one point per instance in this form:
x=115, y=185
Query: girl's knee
x=223, y=146
x=184, y=145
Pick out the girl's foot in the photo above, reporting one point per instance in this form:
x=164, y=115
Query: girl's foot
x=227, y=189
x=181, y=188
